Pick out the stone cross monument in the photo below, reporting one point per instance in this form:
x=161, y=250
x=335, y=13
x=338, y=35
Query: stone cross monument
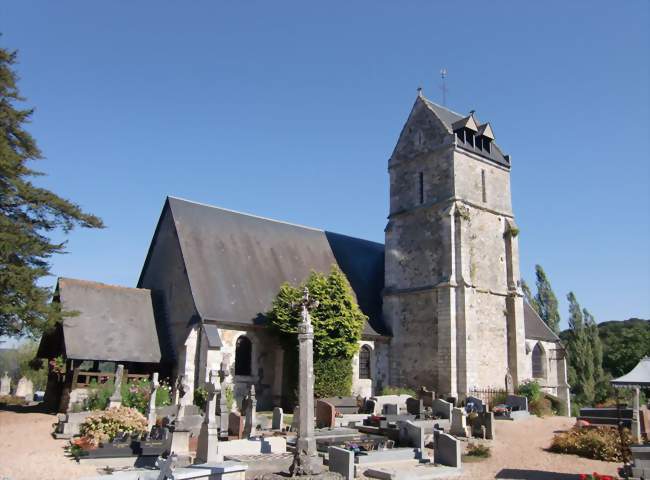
x=251, y=413
x=208, y=446
x=116, y=399
x=305, y=460
x=223, y=404
x=151, y=417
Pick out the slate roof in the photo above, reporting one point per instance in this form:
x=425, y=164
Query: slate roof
x=111, y=323
x=237, y=262
x=449, y=117
x=535, y=327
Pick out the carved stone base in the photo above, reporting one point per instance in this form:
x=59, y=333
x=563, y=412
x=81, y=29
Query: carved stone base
x=319, y=476
x=304, y=465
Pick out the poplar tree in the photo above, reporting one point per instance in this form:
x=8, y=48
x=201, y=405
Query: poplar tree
x=581, y=357
x=29, y=215
x=546, y=301
x=528, y=295
x=601, y=381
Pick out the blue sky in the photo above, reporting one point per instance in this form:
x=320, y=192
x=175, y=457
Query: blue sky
x=290, y=110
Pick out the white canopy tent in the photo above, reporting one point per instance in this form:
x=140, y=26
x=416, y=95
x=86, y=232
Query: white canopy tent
x=637, y=378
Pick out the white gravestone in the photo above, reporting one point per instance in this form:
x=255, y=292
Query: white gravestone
x=116, y=399
x=151, y=417
x=25, y=388
x=5, y=385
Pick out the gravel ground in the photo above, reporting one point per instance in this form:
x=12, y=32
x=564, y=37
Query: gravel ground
x=28, y=452
x=518, y=453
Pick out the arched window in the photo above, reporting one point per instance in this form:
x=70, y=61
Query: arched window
x=364, y=362
x=539, y=360
x=243, y=356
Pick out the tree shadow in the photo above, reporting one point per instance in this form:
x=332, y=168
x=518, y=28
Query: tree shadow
x=38, y=408
x=518, y=474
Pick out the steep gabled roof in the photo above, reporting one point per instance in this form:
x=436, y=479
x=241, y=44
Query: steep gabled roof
x=237, y=262
x=536, y=328
x=110, y=323
x=450, y=118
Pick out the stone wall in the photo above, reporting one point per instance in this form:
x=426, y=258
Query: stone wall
x=378, y=370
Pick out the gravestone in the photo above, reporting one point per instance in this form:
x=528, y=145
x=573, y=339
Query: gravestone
x=278, y=419
x=369, y=406
x=208, y=445
x=250, y=425
x=446, y=449
x=181, y=430
x=474, y=404
x=341, y=461
x=390, y=409
x=517, y=403
x=487, y=420
x=413, y=435
x=441, y=408
x=325, y=414
x=458, y=423
x=415, y=406
x=24, y=388
x=427, y=396
x=235, y=425
x=295, y=421
x=5, y=385
x=151, y=416
x=116, y=399
x=510, y=386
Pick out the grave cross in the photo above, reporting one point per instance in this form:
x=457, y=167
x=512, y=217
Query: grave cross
x=166, y=466
x=151, y=417
x=116, y=399
x=211, y=404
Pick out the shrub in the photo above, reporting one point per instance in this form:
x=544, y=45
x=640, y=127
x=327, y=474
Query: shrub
x=134, y=394
x=99, y=395
x=393, y=390
x=476, y=450
x=102, y=427
x=200, y=397
x=542, y=407
x=558, y=407
x=332, y=377
x=598, y=443
x=530, y=389
x=230, y=397
x=11, y=400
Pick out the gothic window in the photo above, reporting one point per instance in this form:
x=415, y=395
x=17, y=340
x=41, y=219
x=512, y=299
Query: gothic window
x=243, y=356
x=364, y=362
x=539, y=359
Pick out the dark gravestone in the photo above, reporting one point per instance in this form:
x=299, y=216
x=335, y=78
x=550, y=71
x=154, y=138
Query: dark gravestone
x=390, y=409
x=369, y=407
x=415, y=407
x=325, y=414
x=427, y=396
x=474, y=404
x=343, y=404
x=235, y=425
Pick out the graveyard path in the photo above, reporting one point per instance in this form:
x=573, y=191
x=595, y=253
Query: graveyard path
x=28, y=451
x=518, y=453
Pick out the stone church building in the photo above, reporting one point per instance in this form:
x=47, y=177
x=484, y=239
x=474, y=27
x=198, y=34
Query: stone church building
x=443, y=294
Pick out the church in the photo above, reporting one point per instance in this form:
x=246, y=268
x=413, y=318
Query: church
x=442, y=295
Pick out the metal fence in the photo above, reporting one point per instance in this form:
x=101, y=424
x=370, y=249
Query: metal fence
x=490, y=396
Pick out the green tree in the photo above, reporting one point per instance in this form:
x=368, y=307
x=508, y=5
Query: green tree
x=601, y=380
x=28, y=216
x=337, y=320
x=546, y=301
x=624, y=344
x=581, y=358
x=529, y=296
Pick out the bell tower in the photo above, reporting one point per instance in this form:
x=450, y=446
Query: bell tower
x=452, y=290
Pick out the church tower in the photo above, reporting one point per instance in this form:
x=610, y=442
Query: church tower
x=452, y=292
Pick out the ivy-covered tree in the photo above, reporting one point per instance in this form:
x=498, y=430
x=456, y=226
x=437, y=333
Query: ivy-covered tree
x=581, y=358
x=28, y=216
x=546, y=301
x=337, y=320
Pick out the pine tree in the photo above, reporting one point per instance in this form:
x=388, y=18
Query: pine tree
x=529, y=296
x=581, y=358
x=28, y=214
x=546, y=301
